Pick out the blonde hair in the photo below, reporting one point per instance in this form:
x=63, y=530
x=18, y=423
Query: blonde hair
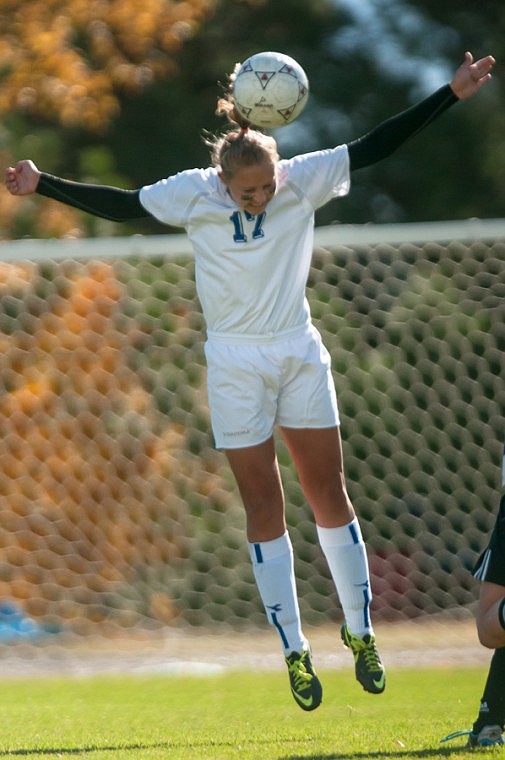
x=241, y=145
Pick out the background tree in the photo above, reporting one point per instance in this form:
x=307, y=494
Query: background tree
x=66, y=65
x=480, y=28
x=72, y=60
x=400, y=50
x=154, y=92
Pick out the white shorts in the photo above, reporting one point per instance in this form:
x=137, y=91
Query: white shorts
x=254, y=386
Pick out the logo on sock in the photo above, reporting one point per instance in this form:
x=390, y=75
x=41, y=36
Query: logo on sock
x=274, y=607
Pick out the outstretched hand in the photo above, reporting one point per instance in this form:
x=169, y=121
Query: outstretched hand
x=472, y=75
x=22, y=179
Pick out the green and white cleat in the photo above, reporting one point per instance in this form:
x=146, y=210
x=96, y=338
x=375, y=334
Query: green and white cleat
x=488, y=736
x=367, y=662
x=305, y=685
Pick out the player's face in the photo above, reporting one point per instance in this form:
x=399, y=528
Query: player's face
x=252, y=187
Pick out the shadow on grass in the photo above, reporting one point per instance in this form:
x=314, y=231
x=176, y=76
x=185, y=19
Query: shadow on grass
x=379, y=755
x=63, y=751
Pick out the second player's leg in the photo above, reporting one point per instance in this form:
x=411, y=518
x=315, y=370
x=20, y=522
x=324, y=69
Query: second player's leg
x=489, y=614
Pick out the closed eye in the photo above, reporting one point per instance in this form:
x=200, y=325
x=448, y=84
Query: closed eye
x=248, y=194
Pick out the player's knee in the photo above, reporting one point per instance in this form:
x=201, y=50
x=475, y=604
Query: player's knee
x=264, y=520
x=484, y=638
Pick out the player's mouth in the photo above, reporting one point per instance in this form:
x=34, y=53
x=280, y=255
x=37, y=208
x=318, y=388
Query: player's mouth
x=256, y=209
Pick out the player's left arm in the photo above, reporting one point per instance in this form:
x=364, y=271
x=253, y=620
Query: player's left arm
x=472, y=75
x=382, y=141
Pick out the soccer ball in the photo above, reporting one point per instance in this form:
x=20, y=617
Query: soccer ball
x=270, y=89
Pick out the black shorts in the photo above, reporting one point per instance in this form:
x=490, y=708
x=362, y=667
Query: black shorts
x=491, y=564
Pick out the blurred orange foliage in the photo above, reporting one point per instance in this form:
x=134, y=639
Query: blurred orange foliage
x=66, y=59
x=88, y=489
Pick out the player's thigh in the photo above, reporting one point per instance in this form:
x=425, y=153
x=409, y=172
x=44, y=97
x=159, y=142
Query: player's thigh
x=316, y=452
x=256, y=472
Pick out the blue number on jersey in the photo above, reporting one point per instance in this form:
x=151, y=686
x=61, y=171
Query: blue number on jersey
x=239, y=235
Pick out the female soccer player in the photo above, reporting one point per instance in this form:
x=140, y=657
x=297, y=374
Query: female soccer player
x=250, y=218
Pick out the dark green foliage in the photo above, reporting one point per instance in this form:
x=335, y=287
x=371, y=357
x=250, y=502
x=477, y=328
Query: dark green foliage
x=362, y=69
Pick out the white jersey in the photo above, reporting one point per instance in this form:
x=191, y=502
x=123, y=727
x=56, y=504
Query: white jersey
x=251, y=271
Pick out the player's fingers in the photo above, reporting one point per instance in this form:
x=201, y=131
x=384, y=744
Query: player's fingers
x=483, y=66
x=480, y=71
x=11, y=180
x=482, y=81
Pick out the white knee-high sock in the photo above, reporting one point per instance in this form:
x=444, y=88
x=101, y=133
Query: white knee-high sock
x=272, y=563
x=345, y=553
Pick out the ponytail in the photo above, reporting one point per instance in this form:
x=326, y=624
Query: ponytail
x=241, y=145
x=226, y=104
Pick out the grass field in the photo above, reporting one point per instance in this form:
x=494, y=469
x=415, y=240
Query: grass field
x=238, y=715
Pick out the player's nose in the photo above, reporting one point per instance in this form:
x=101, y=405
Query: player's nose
x=261, y=197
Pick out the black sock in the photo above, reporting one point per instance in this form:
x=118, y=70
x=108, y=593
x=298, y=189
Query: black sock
x=492, y=706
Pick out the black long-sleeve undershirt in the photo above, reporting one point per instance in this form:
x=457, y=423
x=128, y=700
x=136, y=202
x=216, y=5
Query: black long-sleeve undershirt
x=111, y=203
x=382, y=141
x=120, y=205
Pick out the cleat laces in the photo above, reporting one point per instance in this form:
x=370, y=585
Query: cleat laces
x=371, y=658
x=299, y=675
x=488, y=736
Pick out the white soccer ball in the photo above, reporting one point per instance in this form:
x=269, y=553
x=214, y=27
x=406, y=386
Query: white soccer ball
x=270, y=89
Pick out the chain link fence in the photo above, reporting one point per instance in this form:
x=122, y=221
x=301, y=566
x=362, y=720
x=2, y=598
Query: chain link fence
x=117, y=512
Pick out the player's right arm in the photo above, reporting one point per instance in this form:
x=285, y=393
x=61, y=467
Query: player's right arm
x=100, y=200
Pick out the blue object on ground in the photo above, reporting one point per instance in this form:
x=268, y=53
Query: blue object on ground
x=15, y=625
